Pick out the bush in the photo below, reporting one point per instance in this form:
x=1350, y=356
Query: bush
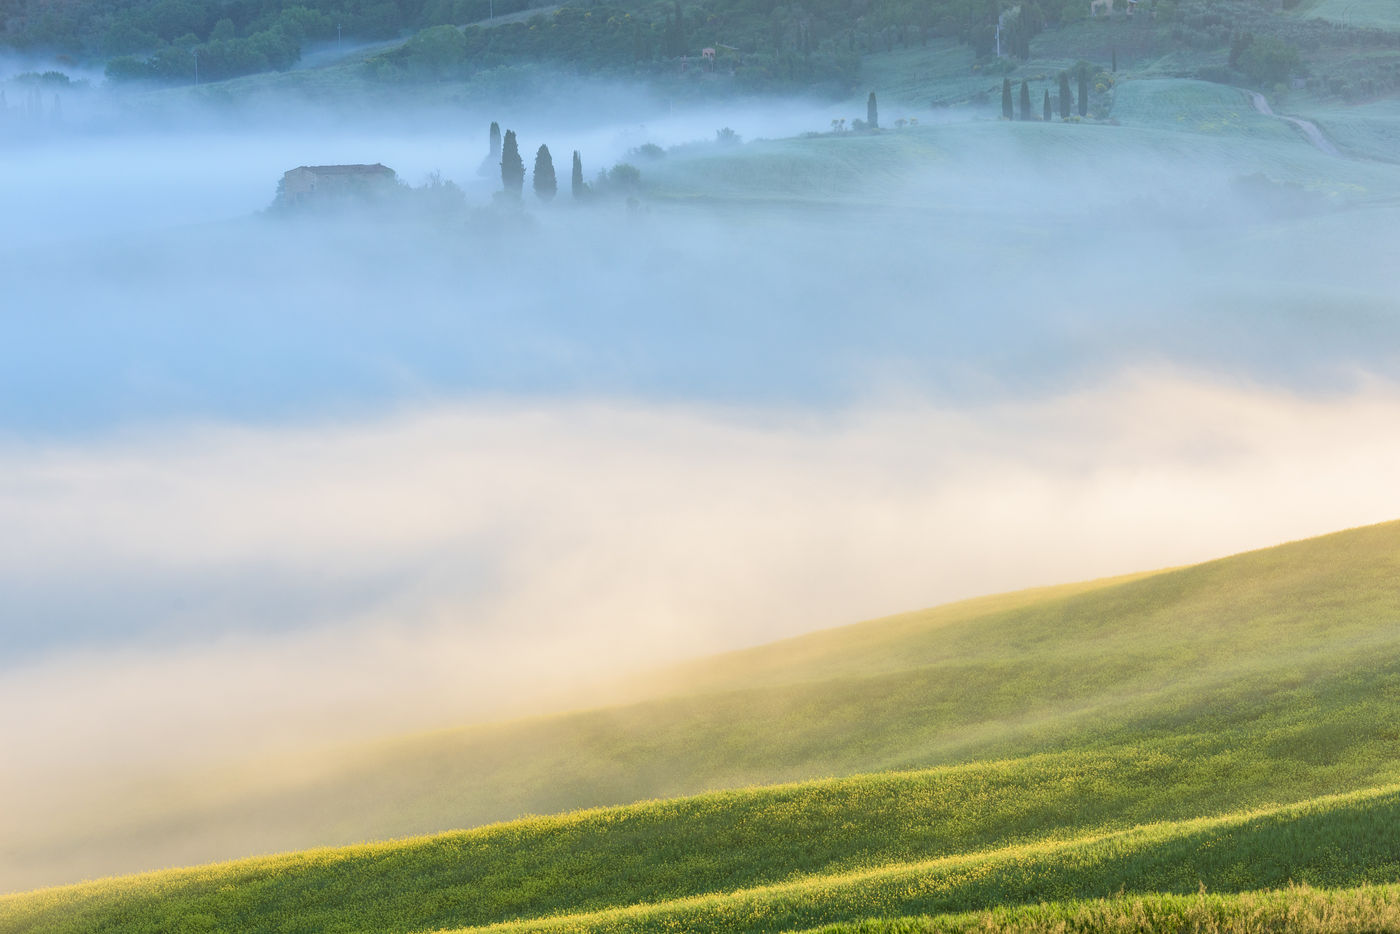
x=625, y=176
x=649, y=151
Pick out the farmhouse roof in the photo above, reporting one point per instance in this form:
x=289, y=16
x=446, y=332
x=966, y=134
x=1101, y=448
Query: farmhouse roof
x=376, y=169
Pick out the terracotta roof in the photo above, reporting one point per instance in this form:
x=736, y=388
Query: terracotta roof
x=376, y=169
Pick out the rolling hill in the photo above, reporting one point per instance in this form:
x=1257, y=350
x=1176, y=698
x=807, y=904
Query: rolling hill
x=1228, y=725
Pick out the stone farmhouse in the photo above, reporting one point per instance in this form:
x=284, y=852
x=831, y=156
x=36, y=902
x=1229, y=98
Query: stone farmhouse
x=312, y=184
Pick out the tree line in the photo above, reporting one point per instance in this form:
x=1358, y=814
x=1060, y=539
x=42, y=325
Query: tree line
x=1083, y=72
x=811, y=42
x=504, y=151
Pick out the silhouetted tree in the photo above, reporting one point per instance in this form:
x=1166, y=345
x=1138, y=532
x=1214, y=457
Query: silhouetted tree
x=1006, y=98
x=495, y=140
x=512, y=169
x=1025, y=99
x=1048, y=114
x=1083, y=92
x=576, y=182
x=546, y=186
x=1066, y=102
x=872, y=113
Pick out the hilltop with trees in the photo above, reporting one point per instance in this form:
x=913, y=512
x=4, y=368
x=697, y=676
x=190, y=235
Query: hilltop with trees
x=819, y=44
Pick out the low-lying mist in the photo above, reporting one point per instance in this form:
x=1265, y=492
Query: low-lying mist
x=278, y=481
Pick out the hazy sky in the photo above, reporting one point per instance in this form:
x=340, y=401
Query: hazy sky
x=264, y=481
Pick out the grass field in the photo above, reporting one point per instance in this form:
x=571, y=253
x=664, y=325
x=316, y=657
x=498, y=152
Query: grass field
x=1171, y=132
x=1370, y=130
x=1231, y=724
x=1379, y=13
x=1300, y=909
x=762, y=860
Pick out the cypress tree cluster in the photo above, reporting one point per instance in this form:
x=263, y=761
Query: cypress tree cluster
x=1083, y=92
x=1065, y=101
x=1006, y=98
x=495, y=140
x=872, y=113
x=576, y=182
x=1025, y=99
x=1048, y=115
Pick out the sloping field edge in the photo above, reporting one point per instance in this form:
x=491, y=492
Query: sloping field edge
x=1297, y=909
x=1337, y=839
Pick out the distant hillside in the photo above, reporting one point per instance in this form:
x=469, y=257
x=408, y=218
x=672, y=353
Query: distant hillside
x=755, y=46
x=1150, y=734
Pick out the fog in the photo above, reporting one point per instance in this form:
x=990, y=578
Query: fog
x=274, y=482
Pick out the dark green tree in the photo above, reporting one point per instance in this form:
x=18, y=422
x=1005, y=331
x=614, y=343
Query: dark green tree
x=1066, y=101
x=1025, y=99
x=512, y=169
x=576, y=183
x=1083, y=92
x=546, y=186
x=495, y=153
x=1049, y=115
x=1270, y=60
x=872, y=113
x=1006, y=98
x=1115, y=60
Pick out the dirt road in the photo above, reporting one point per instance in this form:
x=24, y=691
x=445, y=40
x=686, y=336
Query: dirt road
x=1309, y=128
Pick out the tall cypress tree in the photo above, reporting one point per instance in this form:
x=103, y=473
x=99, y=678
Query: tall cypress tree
x=1025, y=99
x=512, y=169
x=1006, y=98
x=576, y=182
x=1048, y=115
x=1083, y=92
x=495, y=140
x=1066, y=102
x=546, y=186
x=872, y=113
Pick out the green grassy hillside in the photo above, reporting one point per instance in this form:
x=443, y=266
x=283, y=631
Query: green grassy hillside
x=1165, y=124
x=1379, y=13
x=1031, y=733
x=765, y=860
x=1370, y=130
x=1298, y=909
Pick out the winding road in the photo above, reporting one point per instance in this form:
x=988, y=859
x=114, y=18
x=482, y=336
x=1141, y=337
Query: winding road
x=1309, y=128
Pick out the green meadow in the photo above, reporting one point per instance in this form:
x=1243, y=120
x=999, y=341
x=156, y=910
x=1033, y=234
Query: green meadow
x=1230, y=725
x=1369, y=130
x=1300, y=909
x=1378, y=13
